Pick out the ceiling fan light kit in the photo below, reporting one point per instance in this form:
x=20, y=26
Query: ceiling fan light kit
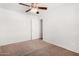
x=34, y=10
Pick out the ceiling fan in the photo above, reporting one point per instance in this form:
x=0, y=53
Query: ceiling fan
x=34, y=7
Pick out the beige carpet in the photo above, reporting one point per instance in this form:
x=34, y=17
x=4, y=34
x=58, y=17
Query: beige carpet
x=34, y=48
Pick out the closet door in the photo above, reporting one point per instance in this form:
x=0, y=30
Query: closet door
x=35, y=28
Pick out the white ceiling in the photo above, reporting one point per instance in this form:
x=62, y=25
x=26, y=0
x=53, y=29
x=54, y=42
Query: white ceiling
x=13, y=7
x=20, y=8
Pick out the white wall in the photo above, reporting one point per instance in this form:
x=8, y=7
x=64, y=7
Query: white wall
x=15, y=26
x=61, y=26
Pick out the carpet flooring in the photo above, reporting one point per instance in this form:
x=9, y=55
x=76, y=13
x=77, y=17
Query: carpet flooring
x=34, y=48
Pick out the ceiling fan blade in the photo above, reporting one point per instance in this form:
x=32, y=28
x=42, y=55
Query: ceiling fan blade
x=44, y=8
x=24, y=4
x=28, y=10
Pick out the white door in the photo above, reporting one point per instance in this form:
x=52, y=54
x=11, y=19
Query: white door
x=35, y=28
